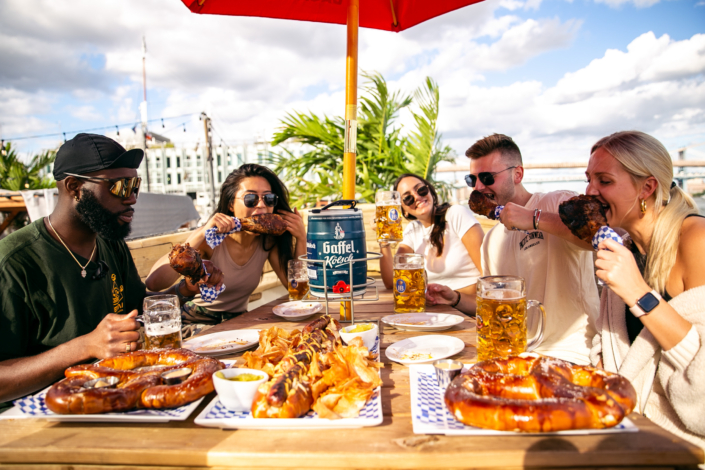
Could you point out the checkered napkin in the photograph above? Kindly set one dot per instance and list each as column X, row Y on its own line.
column 208, row 293
column 213, row 238
column 603, row 234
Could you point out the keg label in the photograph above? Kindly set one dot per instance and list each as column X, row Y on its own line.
column 339, row 233
column 393, row 214
column 401, row 286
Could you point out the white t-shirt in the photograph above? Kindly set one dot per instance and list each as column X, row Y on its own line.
column 558, row 274
column 454, row 268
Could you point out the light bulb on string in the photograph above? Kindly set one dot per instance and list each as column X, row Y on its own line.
column 163, row 126
column 117, row 130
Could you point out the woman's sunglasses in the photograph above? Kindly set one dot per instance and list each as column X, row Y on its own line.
column 409, row 199
column 485, row 177
column 122, row 187
column 251, row 200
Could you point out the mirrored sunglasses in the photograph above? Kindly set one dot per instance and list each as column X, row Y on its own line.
column 121, row 187
column 251, row 200
column 409, row 199
column 485, row 177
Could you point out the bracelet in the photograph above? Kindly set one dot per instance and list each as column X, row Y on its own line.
column 182, row 298
column 455, row 304
column 537, row 217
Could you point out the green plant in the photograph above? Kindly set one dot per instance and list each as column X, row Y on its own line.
column 16, row 175
column 383, row 152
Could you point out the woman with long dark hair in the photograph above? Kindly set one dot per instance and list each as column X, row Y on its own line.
column 251, row 189
column 448, row 236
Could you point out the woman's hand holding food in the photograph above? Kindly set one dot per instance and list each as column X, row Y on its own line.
column 213, row 279
column 294, row 223
column 617, row 268
column 223, row 222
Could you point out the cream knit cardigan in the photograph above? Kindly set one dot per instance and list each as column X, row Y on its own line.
column 670, row 385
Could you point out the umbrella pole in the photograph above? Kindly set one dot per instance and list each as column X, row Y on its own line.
column 350, row 146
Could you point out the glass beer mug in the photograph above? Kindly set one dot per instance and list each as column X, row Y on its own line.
column 409, row 283
column 297, row 273
column 388, row 216
column 502, row 317
column 162, row 322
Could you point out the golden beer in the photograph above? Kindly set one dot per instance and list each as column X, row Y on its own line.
column 168, row 341
column 409, row 290
column 501, row 324
column 388, row 218
column 298, row 289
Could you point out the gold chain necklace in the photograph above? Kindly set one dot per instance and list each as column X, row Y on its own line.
column 83, row 268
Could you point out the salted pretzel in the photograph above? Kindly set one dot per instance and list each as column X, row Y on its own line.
column 534, row 393
column 137, row 387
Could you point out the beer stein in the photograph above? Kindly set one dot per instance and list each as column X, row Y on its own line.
column 388, row 216
column 297, row 273
column 409, row 283
column 162, row 322
column 502, row 317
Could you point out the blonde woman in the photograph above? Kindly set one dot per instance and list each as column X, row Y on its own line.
column 651, row 327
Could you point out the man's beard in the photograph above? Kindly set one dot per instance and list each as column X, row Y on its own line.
column 99, row 219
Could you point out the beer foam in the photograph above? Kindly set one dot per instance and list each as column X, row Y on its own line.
column 164, row 328
column 503, row 294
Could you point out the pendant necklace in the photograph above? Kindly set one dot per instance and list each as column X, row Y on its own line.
column 83, row 268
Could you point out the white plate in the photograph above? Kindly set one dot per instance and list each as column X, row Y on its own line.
column 297, row 310
column 223, row 342
column 215, row 415
column 35, row 407
column 423, row 349
column 429, row 414
column 423, row 321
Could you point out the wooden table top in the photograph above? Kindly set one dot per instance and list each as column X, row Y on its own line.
column 37, row 443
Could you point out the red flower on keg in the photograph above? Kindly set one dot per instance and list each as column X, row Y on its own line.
column 341, row 288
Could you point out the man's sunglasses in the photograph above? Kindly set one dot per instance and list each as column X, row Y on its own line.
column 409, row 199
column 485, row 177
column 121, row 187
column 251, row 200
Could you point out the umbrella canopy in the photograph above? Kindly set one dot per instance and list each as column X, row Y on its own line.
column 387, row 15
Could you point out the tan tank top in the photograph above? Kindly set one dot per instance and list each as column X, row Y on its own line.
column 240, row 281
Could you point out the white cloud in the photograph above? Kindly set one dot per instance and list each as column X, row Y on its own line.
column 637, row 3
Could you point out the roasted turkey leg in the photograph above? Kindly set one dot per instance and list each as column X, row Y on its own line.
column 266, row 224
column 187, row 261
column 481, row 204
column 583, row 215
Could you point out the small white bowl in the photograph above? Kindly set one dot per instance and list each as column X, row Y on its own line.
column 237, row 396
column 368, row 337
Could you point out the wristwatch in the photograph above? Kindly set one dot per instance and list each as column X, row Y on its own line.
column 645, row 304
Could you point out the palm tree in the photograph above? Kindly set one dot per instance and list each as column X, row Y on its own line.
column 16, row 175
column 383, row 153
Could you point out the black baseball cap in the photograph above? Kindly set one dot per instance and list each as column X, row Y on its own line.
column 87, row 153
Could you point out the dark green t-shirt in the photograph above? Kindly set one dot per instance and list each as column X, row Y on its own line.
column 45, row 302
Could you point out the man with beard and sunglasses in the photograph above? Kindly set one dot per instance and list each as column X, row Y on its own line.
column 532, row 243
column 70, row 289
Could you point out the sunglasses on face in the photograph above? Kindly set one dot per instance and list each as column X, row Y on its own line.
column 121, row 187
column 485, row 177
column 251, row 200
column 409, row 199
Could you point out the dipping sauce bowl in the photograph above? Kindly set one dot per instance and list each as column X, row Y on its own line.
column 176, row 376
column 237, row 395
column 102, row 382
column 446, row 371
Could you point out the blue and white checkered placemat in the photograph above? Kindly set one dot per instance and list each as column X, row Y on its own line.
column 429, row 414
column 35, row 407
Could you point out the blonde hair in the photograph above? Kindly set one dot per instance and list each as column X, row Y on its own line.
column 642, row 156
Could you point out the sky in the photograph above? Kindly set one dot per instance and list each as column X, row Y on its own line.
column 556, row 75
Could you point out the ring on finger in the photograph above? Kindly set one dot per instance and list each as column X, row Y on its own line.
column 128, row 347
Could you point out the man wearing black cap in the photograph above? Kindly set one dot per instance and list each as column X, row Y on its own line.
column 70, row 288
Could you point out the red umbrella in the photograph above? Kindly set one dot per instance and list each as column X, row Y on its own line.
column 388, row 15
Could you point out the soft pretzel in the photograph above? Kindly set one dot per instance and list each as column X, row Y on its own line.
column 534, row 393
column 136, row 388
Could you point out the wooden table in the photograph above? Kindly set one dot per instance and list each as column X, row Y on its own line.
column 47, row 445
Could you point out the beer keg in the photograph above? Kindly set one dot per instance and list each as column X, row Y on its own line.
column 336, row 236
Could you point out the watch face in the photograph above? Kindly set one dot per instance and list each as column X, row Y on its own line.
column 648, row 302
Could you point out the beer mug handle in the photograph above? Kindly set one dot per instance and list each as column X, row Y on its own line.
column 534, row 342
